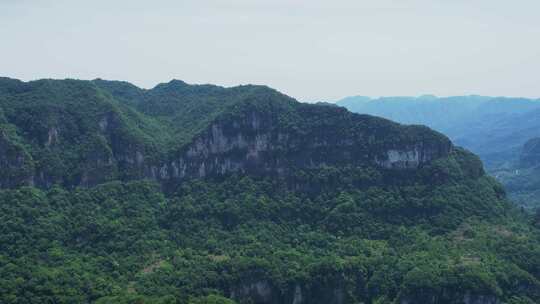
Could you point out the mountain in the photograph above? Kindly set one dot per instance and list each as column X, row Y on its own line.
column 77, row 133
column 495, row 128
column 522, row 181
column 203, row 194
column 530, row 154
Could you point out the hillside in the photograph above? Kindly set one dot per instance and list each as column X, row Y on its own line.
column 77, row 133
column 493, row 128
column 202, row 194
column 523, row 179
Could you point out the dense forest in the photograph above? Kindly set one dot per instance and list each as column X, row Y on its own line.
column 202, row 194
column 522, row 180
column 495, row 128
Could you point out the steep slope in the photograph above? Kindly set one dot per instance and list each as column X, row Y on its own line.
column 530, row 154
column 202, row 194
column 69, row 132
column 522, row 180
column 74, row 133
column 185, row 109
column 493, row 127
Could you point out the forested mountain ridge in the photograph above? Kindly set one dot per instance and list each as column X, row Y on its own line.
column 201, row 194
column 522, row 181
column 530, row 154
column 85, row 133
column 495, row 128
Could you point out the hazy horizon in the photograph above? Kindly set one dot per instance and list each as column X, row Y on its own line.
column 321, row 51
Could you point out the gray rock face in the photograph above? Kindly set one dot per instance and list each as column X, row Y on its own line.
column 468, row 298
column 407, row 158
column 298, row 299
column 52, row 136
column 263, row 292
column 480, row 299
column 253, row 143
column 16, row 167
column 258, row 292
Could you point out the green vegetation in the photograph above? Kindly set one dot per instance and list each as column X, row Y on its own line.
column 500, row 130
column 127, row 243
column 345, row 231
column 523, row 186
column 83, row 133
column 495, row 128
column 522, row 180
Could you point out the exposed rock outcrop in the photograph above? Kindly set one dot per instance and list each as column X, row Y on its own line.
column 254, row 144
column 263, row 292
column 408, row 158
column 16, row 166
column 467, row 298
column 258, row 145
column 257, row 292
column 80, row 136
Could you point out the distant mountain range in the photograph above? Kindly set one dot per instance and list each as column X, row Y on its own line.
column 495, row 128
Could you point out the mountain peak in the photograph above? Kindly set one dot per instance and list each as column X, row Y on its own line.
column 177, row 82
column 173, row 84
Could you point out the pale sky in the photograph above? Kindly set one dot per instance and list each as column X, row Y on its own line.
column 311, row 50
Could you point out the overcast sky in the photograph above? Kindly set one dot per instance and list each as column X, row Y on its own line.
column 311, row 50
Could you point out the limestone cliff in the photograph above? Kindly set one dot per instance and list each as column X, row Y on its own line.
column 258, row 144
column 16, row 166
column 78, row 134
